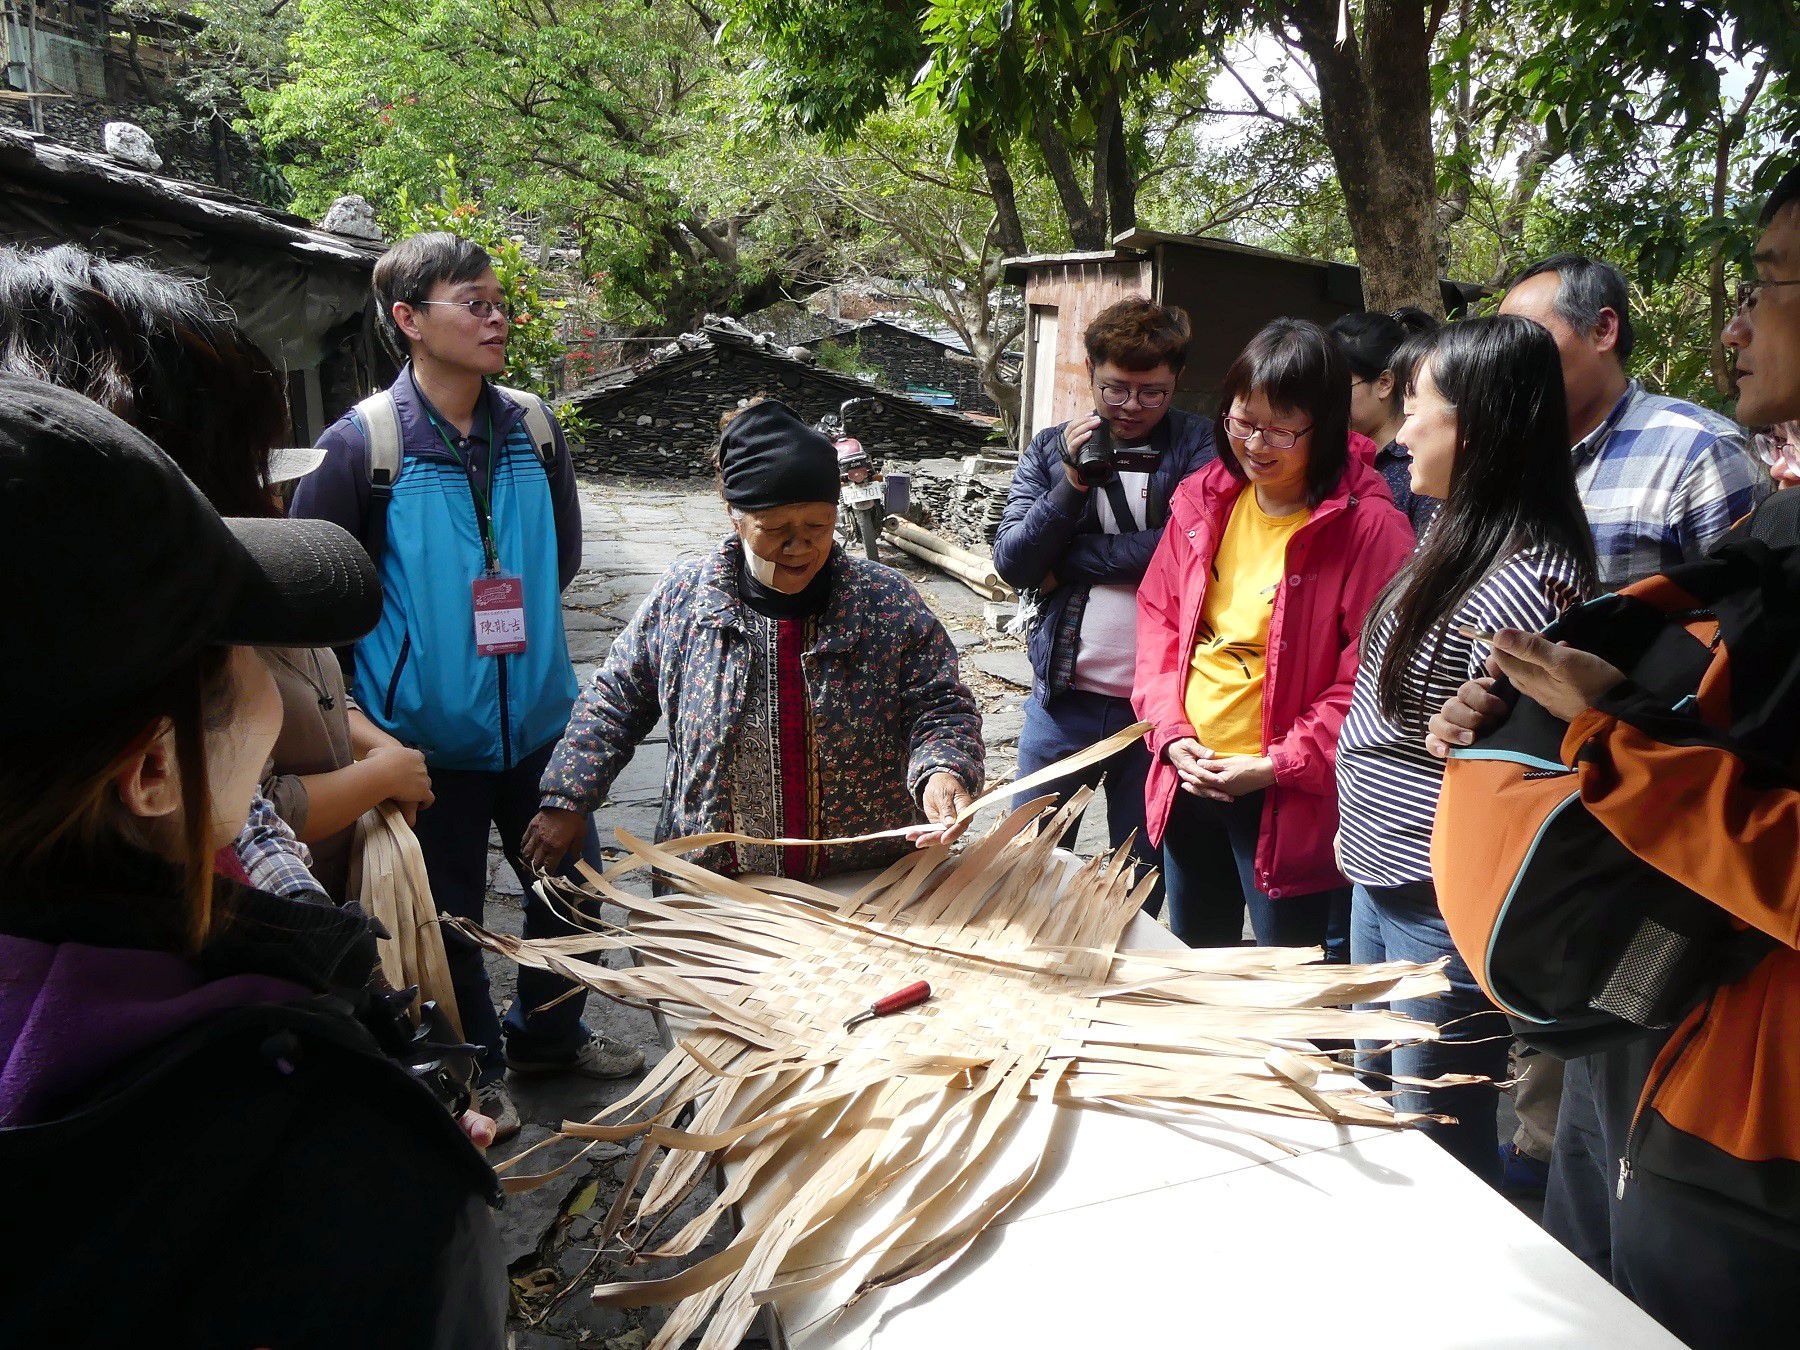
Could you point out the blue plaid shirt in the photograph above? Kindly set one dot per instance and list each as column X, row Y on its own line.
column 273, row 858
column 1661, row 480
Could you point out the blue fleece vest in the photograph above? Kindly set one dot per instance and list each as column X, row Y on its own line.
column 418, row 675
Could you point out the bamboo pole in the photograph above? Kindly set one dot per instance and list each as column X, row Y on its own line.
column 982, row 581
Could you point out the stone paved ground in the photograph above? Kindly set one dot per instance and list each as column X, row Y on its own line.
column 634, row 530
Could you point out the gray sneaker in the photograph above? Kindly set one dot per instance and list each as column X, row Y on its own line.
column 601, row 1057
column 494, row 1101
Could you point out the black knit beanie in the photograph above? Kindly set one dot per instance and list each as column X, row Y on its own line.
column 768, row 457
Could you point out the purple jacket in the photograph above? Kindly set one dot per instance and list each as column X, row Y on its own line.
column 71, row 1014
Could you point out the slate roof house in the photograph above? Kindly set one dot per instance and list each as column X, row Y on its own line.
column 661, row 415
column 302, row 293
column 928, row 361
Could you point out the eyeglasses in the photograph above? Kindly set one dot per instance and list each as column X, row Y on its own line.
column 1748, row 292
column 1276, row 438
column 1118, row 395
column 482, row 310
column 1776, row 443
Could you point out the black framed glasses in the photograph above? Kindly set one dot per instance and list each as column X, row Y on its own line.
column 1118, row 395
column 1276, row 438
column 1750, row 289
column 482, row 310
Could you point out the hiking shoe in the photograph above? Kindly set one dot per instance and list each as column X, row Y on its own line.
column 1520, row 1173
column 494, row 1101
column 601, row 1057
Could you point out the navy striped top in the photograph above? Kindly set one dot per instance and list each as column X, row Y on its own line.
column 1388, row 783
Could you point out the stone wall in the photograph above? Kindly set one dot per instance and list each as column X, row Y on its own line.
column 961, row 499
column 905, row 359
column 666, row 422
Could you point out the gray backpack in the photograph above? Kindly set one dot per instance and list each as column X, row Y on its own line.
column 381, row 428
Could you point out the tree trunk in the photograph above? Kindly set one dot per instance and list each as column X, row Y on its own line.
column 1377, row 121
column 1087, row 220
column 1011, row 227
column 1121, row 179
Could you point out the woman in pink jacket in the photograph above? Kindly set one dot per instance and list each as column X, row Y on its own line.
column 1248, row 621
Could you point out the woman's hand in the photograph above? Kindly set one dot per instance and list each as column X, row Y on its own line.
column 404, row 779
column 552, row 833
column 1565, row 680
column 1472, row 712
column 1187, row 756
column 1228, row 777
column 944, row 800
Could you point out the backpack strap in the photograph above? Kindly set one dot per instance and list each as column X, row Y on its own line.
column 381, row 430
column 537, row 423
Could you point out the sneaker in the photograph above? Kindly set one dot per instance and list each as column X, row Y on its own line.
column 495, row 1102
column 1520, row 1173
column 601, row 1057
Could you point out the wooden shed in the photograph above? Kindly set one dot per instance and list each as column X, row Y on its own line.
column 1229, row 290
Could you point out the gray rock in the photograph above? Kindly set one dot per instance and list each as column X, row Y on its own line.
column 353, row 216
column 1013, row 667
column 130, row 144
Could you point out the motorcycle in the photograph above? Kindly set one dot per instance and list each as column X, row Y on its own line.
column 863, row 508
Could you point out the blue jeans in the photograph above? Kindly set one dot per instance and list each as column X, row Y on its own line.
column 1209, row 867
column 453, row 836
column 1074, row 721
column 1403, row 923
column 1593, row 1125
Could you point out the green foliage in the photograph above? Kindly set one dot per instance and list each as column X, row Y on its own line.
column 599, row 118
column 846, row 359
column 533, row 345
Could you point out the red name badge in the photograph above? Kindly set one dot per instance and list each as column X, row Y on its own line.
column 499, row 616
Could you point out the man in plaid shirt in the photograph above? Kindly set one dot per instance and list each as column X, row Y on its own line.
column 1661, row 479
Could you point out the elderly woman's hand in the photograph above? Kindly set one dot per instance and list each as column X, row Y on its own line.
column 945, row 799
column 551, row 834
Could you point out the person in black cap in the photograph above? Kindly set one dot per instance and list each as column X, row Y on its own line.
column 809, row 694
column 222, row 1040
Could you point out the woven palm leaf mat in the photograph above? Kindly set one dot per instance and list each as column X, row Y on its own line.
column 1035, row 1007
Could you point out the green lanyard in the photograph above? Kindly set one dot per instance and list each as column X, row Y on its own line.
column 483, row 500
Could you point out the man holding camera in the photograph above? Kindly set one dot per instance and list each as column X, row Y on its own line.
column 1085, row 512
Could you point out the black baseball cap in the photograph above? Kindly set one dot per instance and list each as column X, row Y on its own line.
column 119, row 569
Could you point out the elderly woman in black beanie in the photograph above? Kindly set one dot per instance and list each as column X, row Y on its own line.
column 809, row 694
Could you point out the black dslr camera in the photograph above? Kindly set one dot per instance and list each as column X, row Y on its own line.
column 1095, row 463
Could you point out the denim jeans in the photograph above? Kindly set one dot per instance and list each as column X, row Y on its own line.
column 1593, row 1124
column 453, row 836
column 1209, row 868
column 1073, row 721
column 1403, row 923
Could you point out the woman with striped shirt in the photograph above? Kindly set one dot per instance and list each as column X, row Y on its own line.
column 1486, row 425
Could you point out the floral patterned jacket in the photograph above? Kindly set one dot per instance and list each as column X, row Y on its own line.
column 889, row 708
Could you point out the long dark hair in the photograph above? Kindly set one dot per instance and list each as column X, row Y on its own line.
column 157, row 352
column 1512, row 488
column 61, row 824
column 1295, row 364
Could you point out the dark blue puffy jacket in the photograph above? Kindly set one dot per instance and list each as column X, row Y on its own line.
column 1050, row 526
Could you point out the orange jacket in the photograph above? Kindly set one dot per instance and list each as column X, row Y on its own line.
column 1721, row 1108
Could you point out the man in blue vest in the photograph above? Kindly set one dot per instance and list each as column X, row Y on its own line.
column 464, row 494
